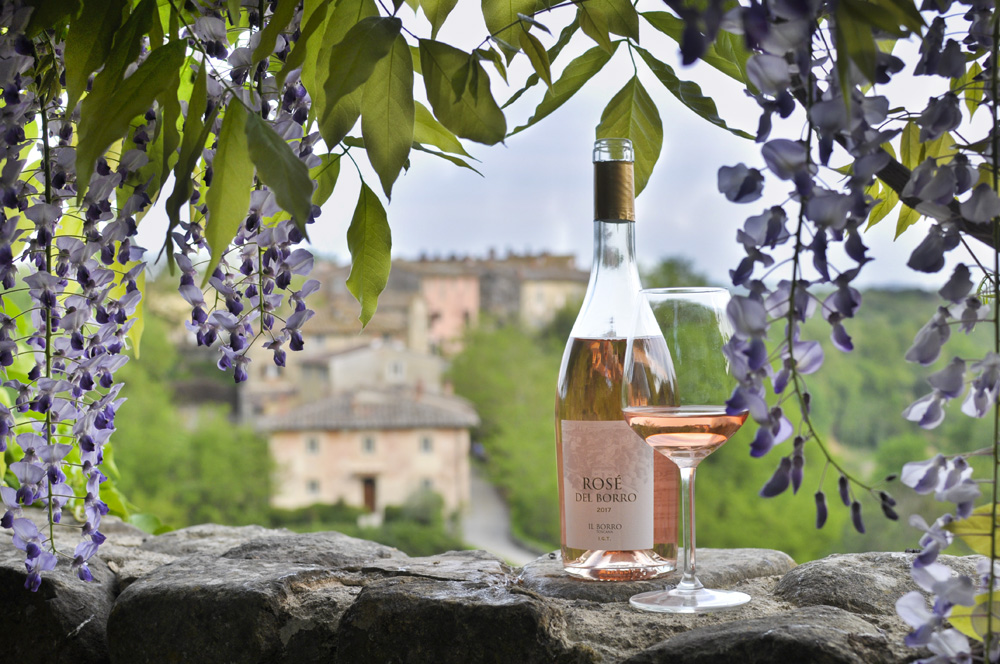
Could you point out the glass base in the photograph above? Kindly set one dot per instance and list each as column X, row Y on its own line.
column 702, row 600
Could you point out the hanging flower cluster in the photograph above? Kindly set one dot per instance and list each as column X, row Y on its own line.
column 803, row 256
column 250, row 283
column 70, row 290
column 70, row 266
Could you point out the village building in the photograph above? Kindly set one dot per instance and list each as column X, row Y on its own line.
column 372, row 448
column 366, row 416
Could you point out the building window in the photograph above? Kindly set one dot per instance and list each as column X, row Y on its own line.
column 312, row 445
column 394, row 370
column 272, row 370
column 426, row 444
column 368, row 445
column 312, row 487
column 427, row 484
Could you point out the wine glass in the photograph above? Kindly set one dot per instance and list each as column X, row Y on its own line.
column 675, row 385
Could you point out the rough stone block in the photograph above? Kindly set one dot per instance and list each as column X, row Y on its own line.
column 716, row 568
column 423, row 620
column 865, row 583
column 818, row 635
column 64, row 622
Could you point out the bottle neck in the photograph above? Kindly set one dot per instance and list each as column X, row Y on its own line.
column 614, row 281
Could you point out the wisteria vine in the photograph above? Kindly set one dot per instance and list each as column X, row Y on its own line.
column 71, row 269
column 808, row 54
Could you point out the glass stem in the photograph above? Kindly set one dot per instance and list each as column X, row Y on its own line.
column 688, row 582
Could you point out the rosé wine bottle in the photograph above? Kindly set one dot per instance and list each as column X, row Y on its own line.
column 618, row 499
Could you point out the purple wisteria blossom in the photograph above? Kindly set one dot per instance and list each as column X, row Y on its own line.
column 79, row 266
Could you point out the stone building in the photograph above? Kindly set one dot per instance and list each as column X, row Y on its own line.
column 529, row 288
column 372, row 448
column 365, row 416
column 316, row 373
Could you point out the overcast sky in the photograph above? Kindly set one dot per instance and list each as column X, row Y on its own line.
column 537, row 191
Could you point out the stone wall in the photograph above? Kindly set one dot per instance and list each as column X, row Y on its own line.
column 245, row 595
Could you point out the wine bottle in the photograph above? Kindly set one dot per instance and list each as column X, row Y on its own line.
column 618, row 499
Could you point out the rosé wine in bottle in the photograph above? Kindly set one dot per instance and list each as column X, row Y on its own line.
column 618, row 500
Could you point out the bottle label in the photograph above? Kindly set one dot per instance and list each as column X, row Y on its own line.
column 608, row 486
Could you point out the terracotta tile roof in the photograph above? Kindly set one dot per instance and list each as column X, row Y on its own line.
column 371, row 410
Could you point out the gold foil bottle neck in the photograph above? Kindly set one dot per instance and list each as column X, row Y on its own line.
column 614, row 191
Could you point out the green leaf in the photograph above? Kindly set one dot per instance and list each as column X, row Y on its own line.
column 415, row 56
column 973, row 620
column 126, row 46
column 577, row 72
column 731, row 49
column 313, row 24
column 345, row 15
column 902, row 13
column 889, row 201
column 106, row 113
column 475, row 115
column 882, row 17
column 537, row 55
column 88, row 43
column 156, row 34
column 171, row 114
column 428, row 131
column 148, row 523
column 595, row 26
column 970, row 88
column 532, row 80
column 280, row 169
column 228, row 198
column 854, row 40
column 343, row 116
column 619, row 16
column 460, row 79
column 728, row 54
column 689, row 93
column 352, row 62
column 436, row 12
column 907, row 217
column 47, row 14
column 501, row 19
column 325, row 176
column 494, row 57
column 458, row 161
column 279, row 20
column 533, row 22
column 909, row 146
column 975, row 530
column 940, row 147
column 387, row 114
column 113, row 498
column 233, row 8
column 370, row 243
column 632, row 114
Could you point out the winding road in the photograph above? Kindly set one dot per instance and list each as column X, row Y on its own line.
column 486, row 524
